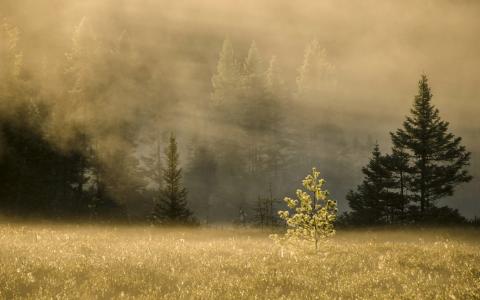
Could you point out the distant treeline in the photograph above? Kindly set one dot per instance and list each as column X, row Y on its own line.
column 80, row 150
column 83, row 136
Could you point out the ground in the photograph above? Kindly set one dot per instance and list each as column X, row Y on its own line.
column 105, row 261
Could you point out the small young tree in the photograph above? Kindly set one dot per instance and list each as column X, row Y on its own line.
column 313, row 211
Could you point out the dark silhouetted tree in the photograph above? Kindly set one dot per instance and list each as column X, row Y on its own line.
column 172, row 205
column 398, row 164
column 438, row 161
column 372, row 202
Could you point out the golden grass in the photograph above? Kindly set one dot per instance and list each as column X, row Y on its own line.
column 85, row 262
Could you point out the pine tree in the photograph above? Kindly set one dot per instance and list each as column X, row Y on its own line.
column 438, row 161
column 273, row 82
column 372, row 201
column 78, row 77
column 398, row 164
column 253, row 105
column 313, row 212
column 253, row 67
column 225, row 81
column 315, row 73
column 172, row 205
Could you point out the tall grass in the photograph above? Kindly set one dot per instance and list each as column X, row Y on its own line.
column 89, row 262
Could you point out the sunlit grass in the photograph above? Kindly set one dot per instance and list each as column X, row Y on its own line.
column 67, row 261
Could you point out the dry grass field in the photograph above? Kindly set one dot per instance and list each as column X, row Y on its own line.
column 103, row 262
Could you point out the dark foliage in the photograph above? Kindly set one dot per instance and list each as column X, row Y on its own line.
column 39, row 180
column 426, row 164
column 172, row 205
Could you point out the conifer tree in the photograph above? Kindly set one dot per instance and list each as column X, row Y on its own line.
column 398, row 164
column 438, row 161
column 313, row 213
column 172, row 205
column 253, row 67
column 315, row 73
column 273, row 82
column 372, row 201
column 225, row 81
column 253, row 106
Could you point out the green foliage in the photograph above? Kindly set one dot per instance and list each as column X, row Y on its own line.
column 314, row 213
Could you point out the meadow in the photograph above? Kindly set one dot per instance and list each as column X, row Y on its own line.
column 40, row 261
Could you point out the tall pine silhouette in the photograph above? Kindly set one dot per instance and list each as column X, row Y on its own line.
column 172, row 205
column 437, row 159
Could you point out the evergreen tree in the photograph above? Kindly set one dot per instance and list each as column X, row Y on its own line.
column 398, row 164
column 253, row 68
column 273, row 82
column 172, row 205
column 315, row 73
column 225, row 81
column 313, row 212
column 372, row 201
column 438, row 161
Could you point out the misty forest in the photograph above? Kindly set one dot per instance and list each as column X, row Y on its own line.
column 161, row 139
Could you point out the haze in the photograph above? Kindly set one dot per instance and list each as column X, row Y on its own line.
column 378, row 50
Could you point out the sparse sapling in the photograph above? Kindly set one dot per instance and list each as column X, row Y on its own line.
column 311, row 216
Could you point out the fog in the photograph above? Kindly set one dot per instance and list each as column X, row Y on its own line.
column 163, row 55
